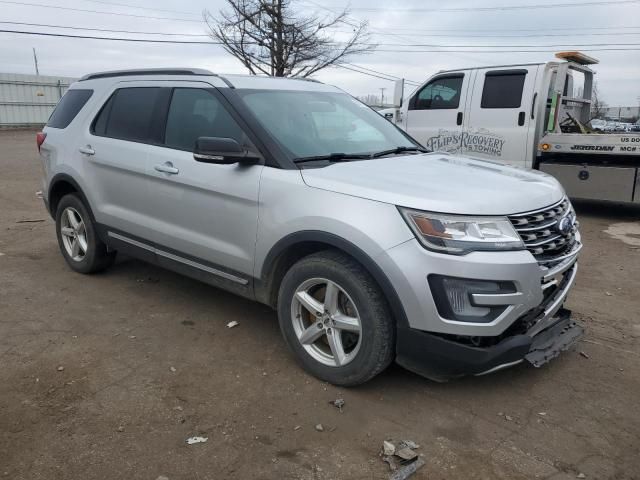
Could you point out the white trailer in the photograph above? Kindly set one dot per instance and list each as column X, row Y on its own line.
column 532, row 115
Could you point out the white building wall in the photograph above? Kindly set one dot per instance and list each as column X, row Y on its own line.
column 27, row 100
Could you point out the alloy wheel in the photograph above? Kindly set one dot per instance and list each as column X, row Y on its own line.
column 326, row 322
column 74, row 234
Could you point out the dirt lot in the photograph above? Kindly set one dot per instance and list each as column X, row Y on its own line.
column 147, row 361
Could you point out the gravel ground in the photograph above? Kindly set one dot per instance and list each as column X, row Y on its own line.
column 106, row 376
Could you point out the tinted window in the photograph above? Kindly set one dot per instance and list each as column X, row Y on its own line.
column 129, row 114
column 441, row 93
column 197, row 113
column 68, row 107
column 503, row 89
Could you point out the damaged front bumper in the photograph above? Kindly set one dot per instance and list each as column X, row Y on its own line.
column 442, row 358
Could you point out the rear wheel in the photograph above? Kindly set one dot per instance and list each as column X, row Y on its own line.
column 77, row 237
column 335, row 319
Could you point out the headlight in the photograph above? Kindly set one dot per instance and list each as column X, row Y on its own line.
column 459, row 234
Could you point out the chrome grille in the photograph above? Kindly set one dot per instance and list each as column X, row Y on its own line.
column 540, row 233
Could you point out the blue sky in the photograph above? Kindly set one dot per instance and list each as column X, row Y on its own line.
column 393, row 24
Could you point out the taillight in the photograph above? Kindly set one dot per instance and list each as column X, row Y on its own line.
column 40, row 136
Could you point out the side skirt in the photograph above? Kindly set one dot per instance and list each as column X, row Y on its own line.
column 178, row 262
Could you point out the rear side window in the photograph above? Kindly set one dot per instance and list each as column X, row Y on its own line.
column 70, row 104
column 130, row 114
column 503, row 89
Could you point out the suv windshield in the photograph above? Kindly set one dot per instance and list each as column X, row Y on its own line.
column 318, row 124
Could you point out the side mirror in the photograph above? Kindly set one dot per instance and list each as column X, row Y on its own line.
column 222, row 151
column 398, row 93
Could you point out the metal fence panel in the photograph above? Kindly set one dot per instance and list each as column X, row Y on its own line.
column 28, row 100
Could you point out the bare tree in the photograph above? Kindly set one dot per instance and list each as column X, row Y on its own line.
column 267, row 37
column 598, row 106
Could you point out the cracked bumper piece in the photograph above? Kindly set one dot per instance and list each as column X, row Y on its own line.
column 442, row 358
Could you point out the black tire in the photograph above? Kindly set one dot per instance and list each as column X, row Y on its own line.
column 376, row 349
column 96, row 257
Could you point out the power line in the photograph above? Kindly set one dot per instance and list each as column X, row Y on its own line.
column 551, row 45
column 541, row 28
column 464, row 35
column 501, row 7
column 182, row 42
column 167, row 41
column 117, row 39
column 107, row 30
column 510, row 51
column 382, row 73
column 11, row 2
column 143, row 8
column 365, row 73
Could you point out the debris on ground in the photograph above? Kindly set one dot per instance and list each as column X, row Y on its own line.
column 173, row 369
column 60, row 368
column 192, row 440
column 38, row 220
column 402, row 458
column 296, row 428
column 319, row 427
column 388, row 448
column 508, row 418
column 232, row 324
column 406, row 471
column 584, row 354
column 147, row 279
column 132, row 337
column 162, row 477
column 581, row 475
column 338, row 403
column 121, row 428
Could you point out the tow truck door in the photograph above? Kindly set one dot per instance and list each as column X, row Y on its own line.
column 501, row 121
column 436, row 111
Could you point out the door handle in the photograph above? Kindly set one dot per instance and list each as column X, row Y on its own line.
column 533, row 105
column 166, row 167
column 521, row 116
column 87, row 150
column 459, row 119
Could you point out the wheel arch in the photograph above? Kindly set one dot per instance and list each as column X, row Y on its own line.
column 295, row 246
column 62, row 184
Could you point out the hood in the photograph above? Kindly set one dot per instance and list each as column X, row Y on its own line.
column 439, row 182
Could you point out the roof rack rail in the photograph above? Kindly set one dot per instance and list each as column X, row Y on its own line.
column 148, row 71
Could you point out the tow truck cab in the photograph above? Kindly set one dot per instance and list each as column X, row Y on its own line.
column 529, row 115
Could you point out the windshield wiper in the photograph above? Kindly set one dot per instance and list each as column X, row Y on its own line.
column 333, row 157
column 398, row 150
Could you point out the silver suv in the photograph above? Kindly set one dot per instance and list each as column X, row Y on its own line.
column 295, row 194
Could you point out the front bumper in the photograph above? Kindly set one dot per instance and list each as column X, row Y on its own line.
column 442, row 358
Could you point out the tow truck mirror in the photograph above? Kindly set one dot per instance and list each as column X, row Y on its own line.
column 398, row 93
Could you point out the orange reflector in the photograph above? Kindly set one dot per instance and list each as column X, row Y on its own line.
column 545, row 146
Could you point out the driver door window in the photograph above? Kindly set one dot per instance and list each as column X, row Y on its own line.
column 194, row 113
column 441, row 93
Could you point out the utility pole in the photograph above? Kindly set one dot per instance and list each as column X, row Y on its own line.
column 382, row 96
column 35, row 61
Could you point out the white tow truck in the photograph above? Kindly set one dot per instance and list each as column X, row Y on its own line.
column 533, row 115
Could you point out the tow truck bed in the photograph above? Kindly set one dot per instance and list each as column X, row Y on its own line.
column 593, row 165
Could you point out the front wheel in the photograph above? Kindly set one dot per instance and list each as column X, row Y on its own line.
column 335, row 319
